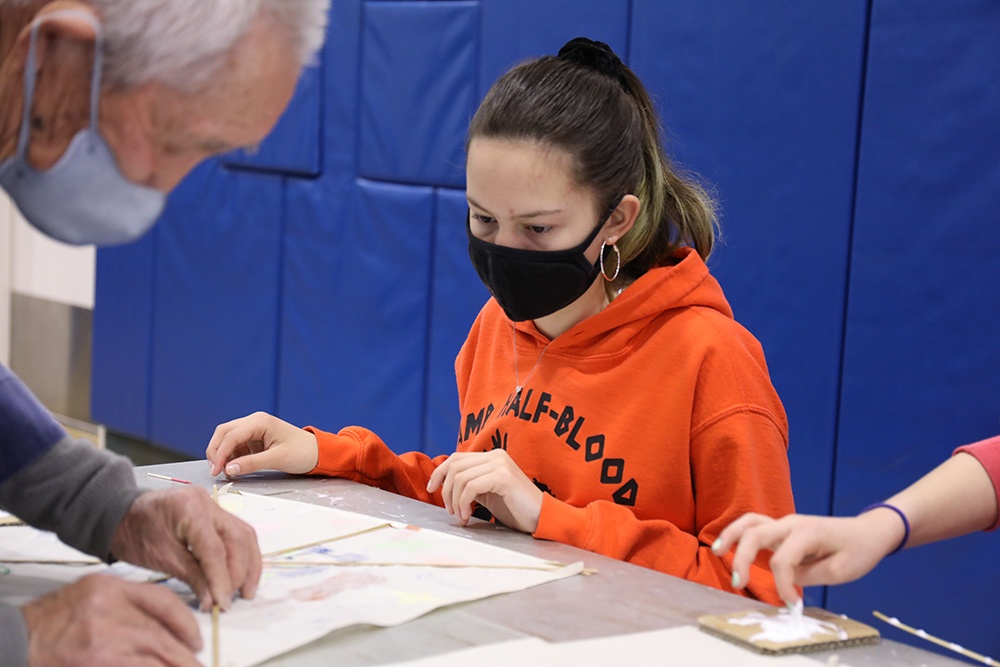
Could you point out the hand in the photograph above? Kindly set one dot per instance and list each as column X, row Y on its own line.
column 103, row 620
column 261, row 442
column 184, row 533
column 493, row 480
column 811, row 550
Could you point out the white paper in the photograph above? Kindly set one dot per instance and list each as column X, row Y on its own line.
column 284, row 524
column 324, row 569
column 20, row 543
column 384, row 577
column 678, row 647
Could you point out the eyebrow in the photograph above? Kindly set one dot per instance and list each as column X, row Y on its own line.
column 519, row 216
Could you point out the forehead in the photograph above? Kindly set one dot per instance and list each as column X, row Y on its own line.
column 506, row 168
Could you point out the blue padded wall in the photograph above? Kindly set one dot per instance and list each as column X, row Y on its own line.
column 418, row 90
column 761, row 99
column 515, row 30
column 215, row 305
column 354, row 346
column 123, row 312
column 923, row 330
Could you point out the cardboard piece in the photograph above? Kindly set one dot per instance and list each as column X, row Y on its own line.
column 844, row 633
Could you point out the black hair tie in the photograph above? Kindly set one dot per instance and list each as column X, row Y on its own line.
column 596, row 55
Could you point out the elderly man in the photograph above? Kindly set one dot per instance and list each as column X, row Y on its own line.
column 106, row 105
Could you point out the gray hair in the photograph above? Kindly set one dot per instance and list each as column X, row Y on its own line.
column 182, row 43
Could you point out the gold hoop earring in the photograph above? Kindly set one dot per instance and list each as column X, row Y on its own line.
column 618, row 266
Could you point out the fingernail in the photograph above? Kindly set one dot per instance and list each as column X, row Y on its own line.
column 233, row 469
column 736, row 580
column 716, row 545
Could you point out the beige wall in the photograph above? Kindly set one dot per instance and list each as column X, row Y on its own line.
column 34, row 265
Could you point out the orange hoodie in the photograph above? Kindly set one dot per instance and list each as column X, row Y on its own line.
column 650, row 426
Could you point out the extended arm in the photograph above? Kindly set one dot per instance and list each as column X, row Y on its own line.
column 956, row 498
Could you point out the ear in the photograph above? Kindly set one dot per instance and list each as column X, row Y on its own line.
column 622, row 219
column 66, row 35
column 62, row 21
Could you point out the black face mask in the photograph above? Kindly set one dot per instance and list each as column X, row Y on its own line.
column 529, row 284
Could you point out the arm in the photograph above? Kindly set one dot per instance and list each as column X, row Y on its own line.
column 263, row 442
column 359, row 455
column 76, row 491
column 738, row 463
column 89, row 498
column 53, row 482
column 956, row 498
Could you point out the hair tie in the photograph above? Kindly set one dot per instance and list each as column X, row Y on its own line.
column 906, row 524
column 595, row 55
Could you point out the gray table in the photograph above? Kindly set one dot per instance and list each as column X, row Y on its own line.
column 620, row 599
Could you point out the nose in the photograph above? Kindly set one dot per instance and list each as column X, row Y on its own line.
column 508, row 236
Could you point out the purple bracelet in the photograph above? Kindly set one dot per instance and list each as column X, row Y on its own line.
column 906, row 524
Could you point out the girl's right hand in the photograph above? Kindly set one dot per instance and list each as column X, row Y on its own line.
column 261, row 442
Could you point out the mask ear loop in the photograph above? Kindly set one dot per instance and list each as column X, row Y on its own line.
column 31, row 75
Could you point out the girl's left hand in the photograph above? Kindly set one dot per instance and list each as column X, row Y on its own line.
column 493, row 480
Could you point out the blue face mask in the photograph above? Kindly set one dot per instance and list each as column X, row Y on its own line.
column 83, row 198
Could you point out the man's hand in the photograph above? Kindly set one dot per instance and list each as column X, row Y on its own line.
column 184, row 533
column 102, row 620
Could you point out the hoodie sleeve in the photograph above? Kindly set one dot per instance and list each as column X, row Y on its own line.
column 75, row 490
column 739, row 465
column 359, row 455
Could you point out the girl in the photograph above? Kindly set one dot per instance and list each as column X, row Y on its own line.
column 608, row 398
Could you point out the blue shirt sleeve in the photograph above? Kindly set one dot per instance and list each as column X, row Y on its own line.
column 27, row 430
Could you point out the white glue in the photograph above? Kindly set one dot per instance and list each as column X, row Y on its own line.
column 788, row 626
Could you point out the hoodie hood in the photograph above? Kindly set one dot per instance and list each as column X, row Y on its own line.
column 687, row 284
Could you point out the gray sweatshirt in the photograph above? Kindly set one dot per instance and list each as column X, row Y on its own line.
column 78, row 492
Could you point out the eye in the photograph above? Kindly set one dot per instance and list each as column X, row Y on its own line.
column 539, row 229
column 483, row 219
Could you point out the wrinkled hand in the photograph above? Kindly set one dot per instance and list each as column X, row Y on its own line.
column 493, row 480
column 261, row 442
column 811, row 550
column 103, row 620
column 184, row 533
